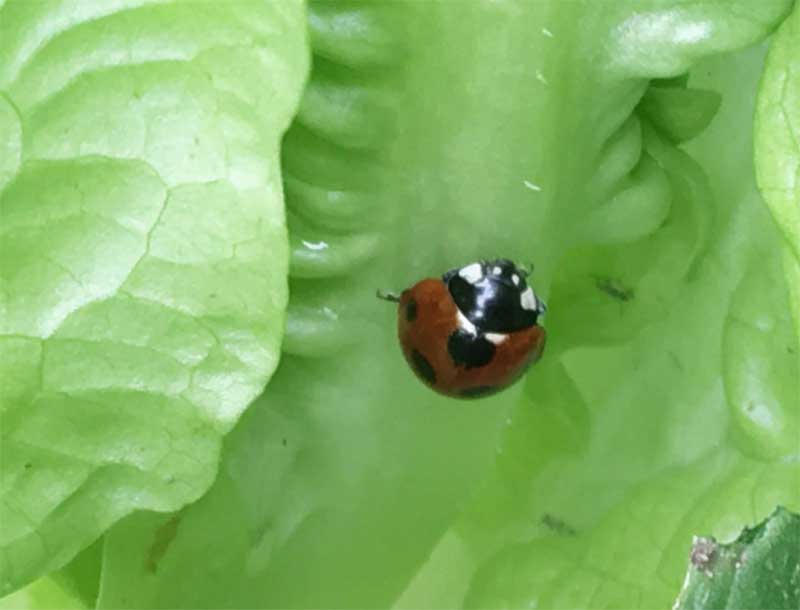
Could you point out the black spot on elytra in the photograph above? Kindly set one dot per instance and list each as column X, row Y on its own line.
column 411, row 311
column 423, row 367
column 471, row 351
column 479, row 391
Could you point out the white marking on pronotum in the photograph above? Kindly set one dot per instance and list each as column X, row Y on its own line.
column 465, row 324
column 472, row 273
column 496, row 338
column 531, row 185
column 528, row 300
column 547, row 32
column 515, row 279
column 497, row 271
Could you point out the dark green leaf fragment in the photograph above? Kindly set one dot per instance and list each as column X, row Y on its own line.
column 760, row 569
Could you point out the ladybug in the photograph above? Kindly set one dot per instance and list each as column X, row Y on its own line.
column 473, row 332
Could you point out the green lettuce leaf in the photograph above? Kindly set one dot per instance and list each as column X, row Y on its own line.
column 144, row 254
column 693, row 425
column 432, row 134
column 760, row 569
column 777, row 147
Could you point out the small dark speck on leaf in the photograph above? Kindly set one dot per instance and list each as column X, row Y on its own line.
column 161, row 540
column 559, row 526
column 28, row 465
column 790, row 349
column 283, row 442
column 613, row 288
column 703, row 554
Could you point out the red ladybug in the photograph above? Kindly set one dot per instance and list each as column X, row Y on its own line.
column 473, row 332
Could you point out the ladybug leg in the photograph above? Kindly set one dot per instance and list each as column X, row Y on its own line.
column 388, row 296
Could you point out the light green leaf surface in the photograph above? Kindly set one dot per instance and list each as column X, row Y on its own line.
column 144, row 254
column 42, row 594
column 760, row 569
column 420, row 145
column 777, row 142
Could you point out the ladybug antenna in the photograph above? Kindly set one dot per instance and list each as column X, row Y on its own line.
column 526, row 269
column 387, row 296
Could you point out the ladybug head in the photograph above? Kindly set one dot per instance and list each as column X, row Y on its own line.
column 494, row 295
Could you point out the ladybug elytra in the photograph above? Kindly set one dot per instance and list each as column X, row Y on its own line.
column 473, row 332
